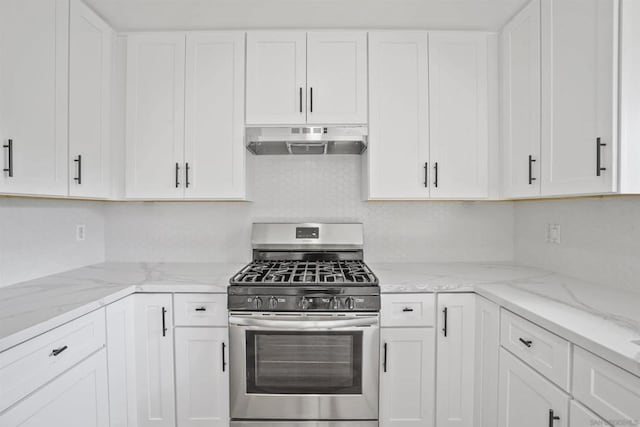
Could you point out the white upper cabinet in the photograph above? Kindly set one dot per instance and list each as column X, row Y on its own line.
column 459, row 114
column 398, row 152
column 34, row 41
column 337, row 77
column 520, row 43
column 89, row 102
column 214, row 108
column 298, row 78
column 579, row 96
column 276, row 77
column 455, row 360
column 155, row 116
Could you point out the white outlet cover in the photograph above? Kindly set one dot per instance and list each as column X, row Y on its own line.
column 554, row 234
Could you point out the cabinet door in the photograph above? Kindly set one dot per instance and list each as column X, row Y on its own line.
column 487, row 325
column 89, row 102
column 202, row 377
column 155, row 116
column 337, row 77
column 455, row 361
column 34, row 37
column 214, row 145
column 121, row 360
column 154, row 360
column 407, row 377
column 579, row 96
column 520, row 41
column 276, row 77
column 77, row 398
column 398, row 152
column 459, row 115
column 526, row 398
column 582, row 417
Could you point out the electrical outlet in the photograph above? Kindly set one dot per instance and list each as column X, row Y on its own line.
column 552, row 234
column 80, row 232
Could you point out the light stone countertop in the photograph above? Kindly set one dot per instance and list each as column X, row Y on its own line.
column 30, row 308
column 601, row 319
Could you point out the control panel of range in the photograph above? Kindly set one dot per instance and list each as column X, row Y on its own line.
column 304, row 303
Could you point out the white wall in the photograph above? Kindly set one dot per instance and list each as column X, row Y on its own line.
column 599, row 238
column 38, row 237
column 320, row 188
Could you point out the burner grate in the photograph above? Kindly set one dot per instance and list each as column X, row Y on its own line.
column 341, row 272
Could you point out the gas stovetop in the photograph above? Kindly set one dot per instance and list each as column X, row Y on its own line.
column 305, row 267
column 306, row 273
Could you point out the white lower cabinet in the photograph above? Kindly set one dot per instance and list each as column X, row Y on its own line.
column 455, row 360
column 582, row 417
column 407, row 377
column 527, row 399
column 153, row 346
column 77, row 398
column 487, row 362
column 202, row 377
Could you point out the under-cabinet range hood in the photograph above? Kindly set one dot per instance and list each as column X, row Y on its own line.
column 307, row 140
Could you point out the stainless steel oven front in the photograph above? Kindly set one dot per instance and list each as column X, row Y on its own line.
column 304, row 366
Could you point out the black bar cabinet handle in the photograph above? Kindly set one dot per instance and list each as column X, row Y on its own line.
column 531, row 162
column 311, row 100
column 201, row 309
column 407, row 310
column 426, row 175
column 177, row 175
column 300, row 99
column 186, row 174
column 435, row 174
column 9, row 147
column 164, row 322
column 55, row 352
column 384, row 360
column 552, row 417
column 599, row 145
column 78, row 178
column 445, row 313
column 528, row 343
column 224, row 361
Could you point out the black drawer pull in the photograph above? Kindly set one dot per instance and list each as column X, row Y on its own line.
column 164, row 322
column 599, row 145
column 78, row 178
column 407, row 310
column 384, row 360
column 9, row 147
column 57, row 351
column 224, row 361
column 445, row 315
column 528, row 343
column 531, row 162
column 201, row 309
column 426, row 175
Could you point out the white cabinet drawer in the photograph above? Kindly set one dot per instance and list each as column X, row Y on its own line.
column 611, row 392
column 407, row 310
column 30, row 365
column 545, row 352
column 200, row 309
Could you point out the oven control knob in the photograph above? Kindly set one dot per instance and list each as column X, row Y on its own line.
column 305, row 303
column 258, row 302
column 273, row 303
column 334, row 304
column 350, row 303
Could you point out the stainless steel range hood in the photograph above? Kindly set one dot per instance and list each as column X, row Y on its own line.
column 307, row 140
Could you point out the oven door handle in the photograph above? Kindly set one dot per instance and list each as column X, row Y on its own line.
column 303, row 324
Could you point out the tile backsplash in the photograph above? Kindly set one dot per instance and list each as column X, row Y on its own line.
column 314, row 188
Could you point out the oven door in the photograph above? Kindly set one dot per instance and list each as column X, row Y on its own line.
column 304, row 367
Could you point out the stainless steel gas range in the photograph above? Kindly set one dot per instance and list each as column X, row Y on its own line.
column 304, row 329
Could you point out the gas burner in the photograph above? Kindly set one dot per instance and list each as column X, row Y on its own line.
column 285, row 272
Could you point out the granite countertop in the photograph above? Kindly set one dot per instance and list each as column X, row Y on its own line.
column 601, row 319
column 31, row 308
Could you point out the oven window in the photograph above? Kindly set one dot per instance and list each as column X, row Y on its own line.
column 304, row 362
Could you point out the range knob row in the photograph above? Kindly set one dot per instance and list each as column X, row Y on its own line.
column 273, row 303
